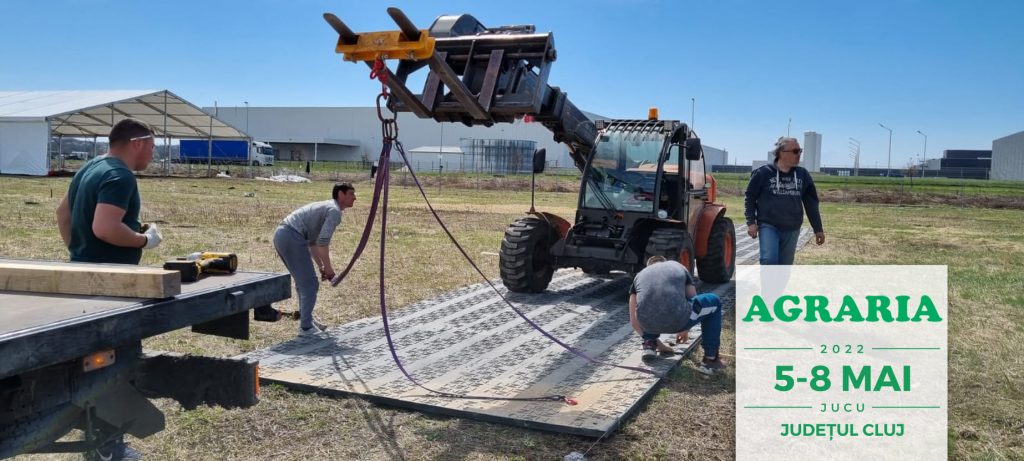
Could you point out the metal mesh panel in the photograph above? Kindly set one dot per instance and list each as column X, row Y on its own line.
column 498, row 156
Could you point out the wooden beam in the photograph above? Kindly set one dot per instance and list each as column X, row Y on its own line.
column 89, row 279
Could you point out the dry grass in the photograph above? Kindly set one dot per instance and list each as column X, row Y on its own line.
column 690, row 417
column 984, row 251
column 209, row 214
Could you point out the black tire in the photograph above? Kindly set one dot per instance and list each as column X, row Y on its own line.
column 718, row 265
column 525, row 260
column 673, row 244
column 38, row 430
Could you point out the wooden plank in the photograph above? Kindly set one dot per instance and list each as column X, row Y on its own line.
column 90, row 279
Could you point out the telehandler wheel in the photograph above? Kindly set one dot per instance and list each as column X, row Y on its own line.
column 720, row 262
column 525, row 261
column 673, row 244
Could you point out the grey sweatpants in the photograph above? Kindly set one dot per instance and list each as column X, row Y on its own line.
column 294, row 251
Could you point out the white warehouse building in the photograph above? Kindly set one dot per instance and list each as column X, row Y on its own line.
column 1008, row 157
column 715, row 156
column 354, row 134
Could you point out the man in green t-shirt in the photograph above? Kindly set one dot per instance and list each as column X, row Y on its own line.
column 99, row 217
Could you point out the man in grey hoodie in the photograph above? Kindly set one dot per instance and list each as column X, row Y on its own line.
column 774, row 204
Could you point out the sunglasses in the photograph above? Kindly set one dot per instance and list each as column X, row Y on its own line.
column 797, row 151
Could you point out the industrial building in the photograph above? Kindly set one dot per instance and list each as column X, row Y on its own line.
column 1004, row 161
column 1008, row 157
column 353, row 134
column 714, row 156
column 965, row 163
column 34, row 124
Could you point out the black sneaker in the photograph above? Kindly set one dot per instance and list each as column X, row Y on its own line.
column 709, row 367
column 650, row 350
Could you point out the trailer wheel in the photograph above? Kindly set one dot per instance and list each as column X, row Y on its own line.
column 673, row 244
column 720, row 262
column 525, row 260
column 38, row 430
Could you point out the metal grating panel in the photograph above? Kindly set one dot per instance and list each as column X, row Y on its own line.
column 468, row 341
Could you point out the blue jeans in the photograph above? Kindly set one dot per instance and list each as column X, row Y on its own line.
column 294, row 252
column 707, row 310
column 778, row 247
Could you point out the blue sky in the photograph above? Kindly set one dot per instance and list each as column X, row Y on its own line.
column 953, row 70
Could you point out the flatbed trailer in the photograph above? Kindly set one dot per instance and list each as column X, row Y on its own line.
column 72, row 361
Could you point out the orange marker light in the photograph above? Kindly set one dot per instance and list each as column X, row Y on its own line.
column 652, row 113
column 98, row 360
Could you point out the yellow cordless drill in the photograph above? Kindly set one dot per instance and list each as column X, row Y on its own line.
column 196, row 265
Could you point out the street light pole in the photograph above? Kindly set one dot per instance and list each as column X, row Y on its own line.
column 855, row 151
column 248, row 146
column 790, row 122
column 924, row 153
column 888, row 165
column 693, row 110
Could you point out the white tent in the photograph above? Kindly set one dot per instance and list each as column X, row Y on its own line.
column 429, row 158
column 28, row 119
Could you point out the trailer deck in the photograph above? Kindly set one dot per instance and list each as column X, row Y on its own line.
column 40, row 329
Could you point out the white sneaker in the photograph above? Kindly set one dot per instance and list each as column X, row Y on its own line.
column 314, row 331
column 321, row 325
column 650, row 350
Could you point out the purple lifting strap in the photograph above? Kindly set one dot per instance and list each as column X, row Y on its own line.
column 381, row 191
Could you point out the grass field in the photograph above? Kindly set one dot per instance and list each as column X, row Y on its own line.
column 689, row 417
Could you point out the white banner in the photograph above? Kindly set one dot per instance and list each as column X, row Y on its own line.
column 841, row 362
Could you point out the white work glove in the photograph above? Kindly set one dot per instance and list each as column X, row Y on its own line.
column 153, row 237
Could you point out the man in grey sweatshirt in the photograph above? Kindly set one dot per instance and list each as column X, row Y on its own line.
column 304, row 238
column 774, row 204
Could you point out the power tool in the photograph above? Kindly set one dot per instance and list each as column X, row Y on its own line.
column 270, row 314
column 198, row 264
